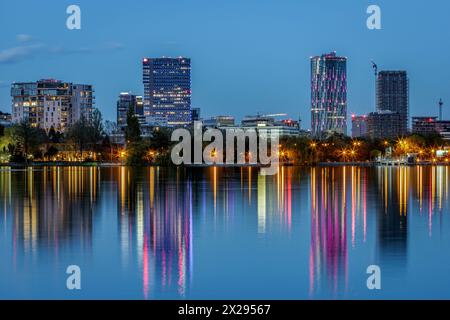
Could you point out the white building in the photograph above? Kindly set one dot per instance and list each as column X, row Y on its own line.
column 54, row 116
column 51, row 103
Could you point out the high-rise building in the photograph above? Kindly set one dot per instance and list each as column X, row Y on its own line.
column 167, row 89
column 328, row 95
column 393, row 95
column 359, row 126
column 51, row 103
column 124, row 103
column 384, row 125
column 82, row 102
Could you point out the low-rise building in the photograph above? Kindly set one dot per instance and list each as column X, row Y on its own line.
column 5, row 119
column 284, row 128
column 219, row 121
column 429, row 125
column 359, row 126
column 384, row 125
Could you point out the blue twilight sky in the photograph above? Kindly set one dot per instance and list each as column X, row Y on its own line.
column 247, row 55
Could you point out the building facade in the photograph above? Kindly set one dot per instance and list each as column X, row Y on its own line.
column 359, row 126
column 126, row 101
column 284, row 128
column 431, row 125
column 393, row 95
column 51, row 103
column 219, row 121
column 167, row 89
column 424, row 125
column 196, row 114
column 384, row 125
column 82, row 102
column 328, row 95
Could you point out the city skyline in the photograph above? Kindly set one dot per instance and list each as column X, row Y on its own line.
column 86, row 57
column 224, row 158
column 345, row 126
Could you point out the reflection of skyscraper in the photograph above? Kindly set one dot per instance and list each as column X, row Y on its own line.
column 328, row 250
column 392, row 213
column 328, row 94
column 161, row 223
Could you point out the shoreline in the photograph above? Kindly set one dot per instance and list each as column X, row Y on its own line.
column 203, row 166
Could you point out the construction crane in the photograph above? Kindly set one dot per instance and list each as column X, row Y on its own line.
column 375, row 68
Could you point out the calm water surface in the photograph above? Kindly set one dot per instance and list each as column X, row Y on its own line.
column 158, row 233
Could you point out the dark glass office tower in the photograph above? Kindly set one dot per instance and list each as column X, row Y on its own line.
column 167, row 89
column 328, row 95
column 125, row 101
column 393, row 96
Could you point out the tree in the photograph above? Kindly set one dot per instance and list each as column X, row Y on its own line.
column 80, row 134
column 133, row 129
column 54, row 136
column 5, row 142
column 86, row 133
column 375, row 154
column 97, row 130
column 136, row 153
column 27, row 137
column 51, row 152
column 160, row 140
column 110, row 127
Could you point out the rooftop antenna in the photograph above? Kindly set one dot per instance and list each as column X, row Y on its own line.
column 441, row 104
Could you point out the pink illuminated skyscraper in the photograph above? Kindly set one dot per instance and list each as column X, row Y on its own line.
column 328, row 95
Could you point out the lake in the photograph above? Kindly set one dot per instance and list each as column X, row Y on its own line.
column 225, row 233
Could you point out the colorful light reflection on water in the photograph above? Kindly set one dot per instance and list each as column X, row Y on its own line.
column 158, row 233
